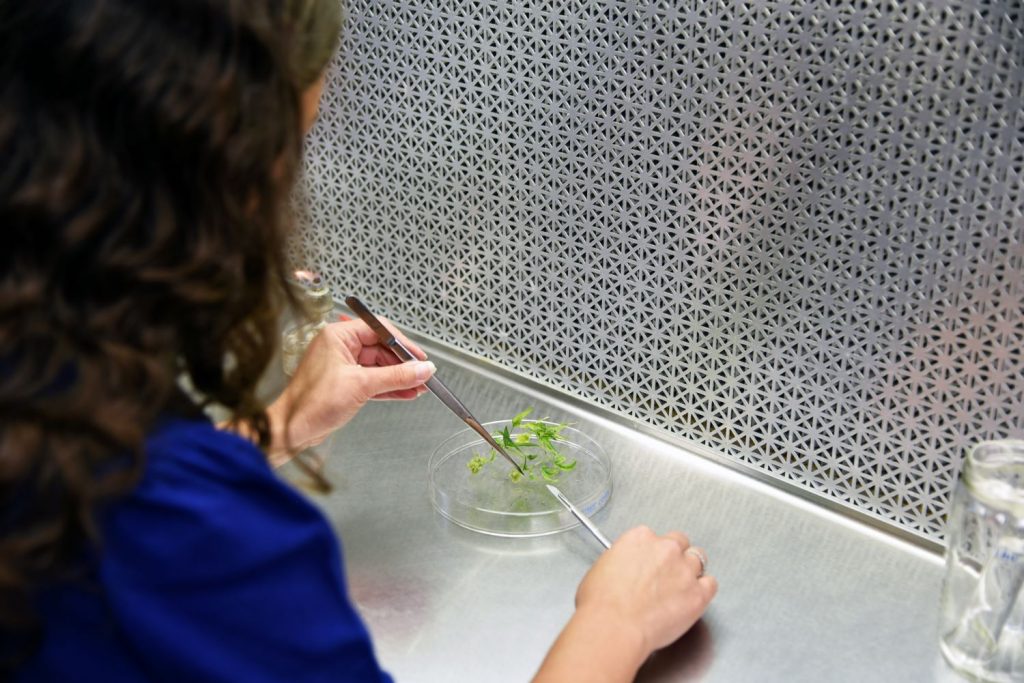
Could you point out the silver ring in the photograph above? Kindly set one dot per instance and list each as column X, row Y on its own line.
column 701, row 556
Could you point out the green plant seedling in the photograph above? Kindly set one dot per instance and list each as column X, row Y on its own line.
column 535, row 443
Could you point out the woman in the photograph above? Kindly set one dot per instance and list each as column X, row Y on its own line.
column 147, row 152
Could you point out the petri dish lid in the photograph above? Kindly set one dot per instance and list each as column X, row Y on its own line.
column 489, row 502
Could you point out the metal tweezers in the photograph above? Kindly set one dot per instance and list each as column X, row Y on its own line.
column 436, row 386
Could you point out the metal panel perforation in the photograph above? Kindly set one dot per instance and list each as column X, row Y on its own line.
column 790, row 231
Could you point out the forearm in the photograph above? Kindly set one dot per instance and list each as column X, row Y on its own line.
column 593, row 647
column 280, row 450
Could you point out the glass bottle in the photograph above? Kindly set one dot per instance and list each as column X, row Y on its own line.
column 982, row 620
column 315, row 297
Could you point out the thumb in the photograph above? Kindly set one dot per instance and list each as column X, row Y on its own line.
column 381, row 380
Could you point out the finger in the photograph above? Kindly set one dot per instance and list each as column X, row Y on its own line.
column 383, row 380
column 638, row 534
column 709, row 586
column 363, row 334
column 399, row 395
column 406, row 342
column 697, row 559
column 368, row 337
column 344, row 318
column 682, row 539
column 369, row 356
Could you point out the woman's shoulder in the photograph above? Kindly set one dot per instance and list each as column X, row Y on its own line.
column 204, row 485
column 214, row 556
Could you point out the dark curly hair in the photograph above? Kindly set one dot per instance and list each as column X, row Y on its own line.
column 146, row 153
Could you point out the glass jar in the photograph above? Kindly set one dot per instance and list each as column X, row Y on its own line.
column 982, row 620
column 316, row 312
column 315, row 297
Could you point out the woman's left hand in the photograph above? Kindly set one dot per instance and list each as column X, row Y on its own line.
column 344, row 367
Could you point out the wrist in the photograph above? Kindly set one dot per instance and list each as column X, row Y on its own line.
column 596, row 645
column 622, row 636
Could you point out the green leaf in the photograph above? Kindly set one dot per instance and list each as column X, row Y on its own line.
column 519, row 418
column 546, row 461
column 546, row 445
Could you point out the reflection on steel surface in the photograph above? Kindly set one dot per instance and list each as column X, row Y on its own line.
column 792, row 232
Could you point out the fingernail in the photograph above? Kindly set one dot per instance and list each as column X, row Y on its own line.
column 424, row 370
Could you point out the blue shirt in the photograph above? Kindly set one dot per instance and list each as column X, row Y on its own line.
column 212, row 569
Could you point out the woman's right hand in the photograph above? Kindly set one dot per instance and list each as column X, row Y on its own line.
column 650, row 583
column 640, row 595
column 344, row 367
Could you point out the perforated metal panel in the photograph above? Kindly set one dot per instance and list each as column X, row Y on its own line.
column 793, row 232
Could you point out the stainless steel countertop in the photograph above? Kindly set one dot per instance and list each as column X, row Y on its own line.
column 805, row 594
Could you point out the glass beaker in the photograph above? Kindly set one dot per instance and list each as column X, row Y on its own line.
column 982, row 620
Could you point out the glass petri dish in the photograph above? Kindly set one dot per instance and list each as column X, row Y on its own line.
column 489, row 502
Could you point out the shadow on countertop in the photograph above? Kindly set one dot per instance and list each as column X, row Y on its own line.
column 687, row 659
